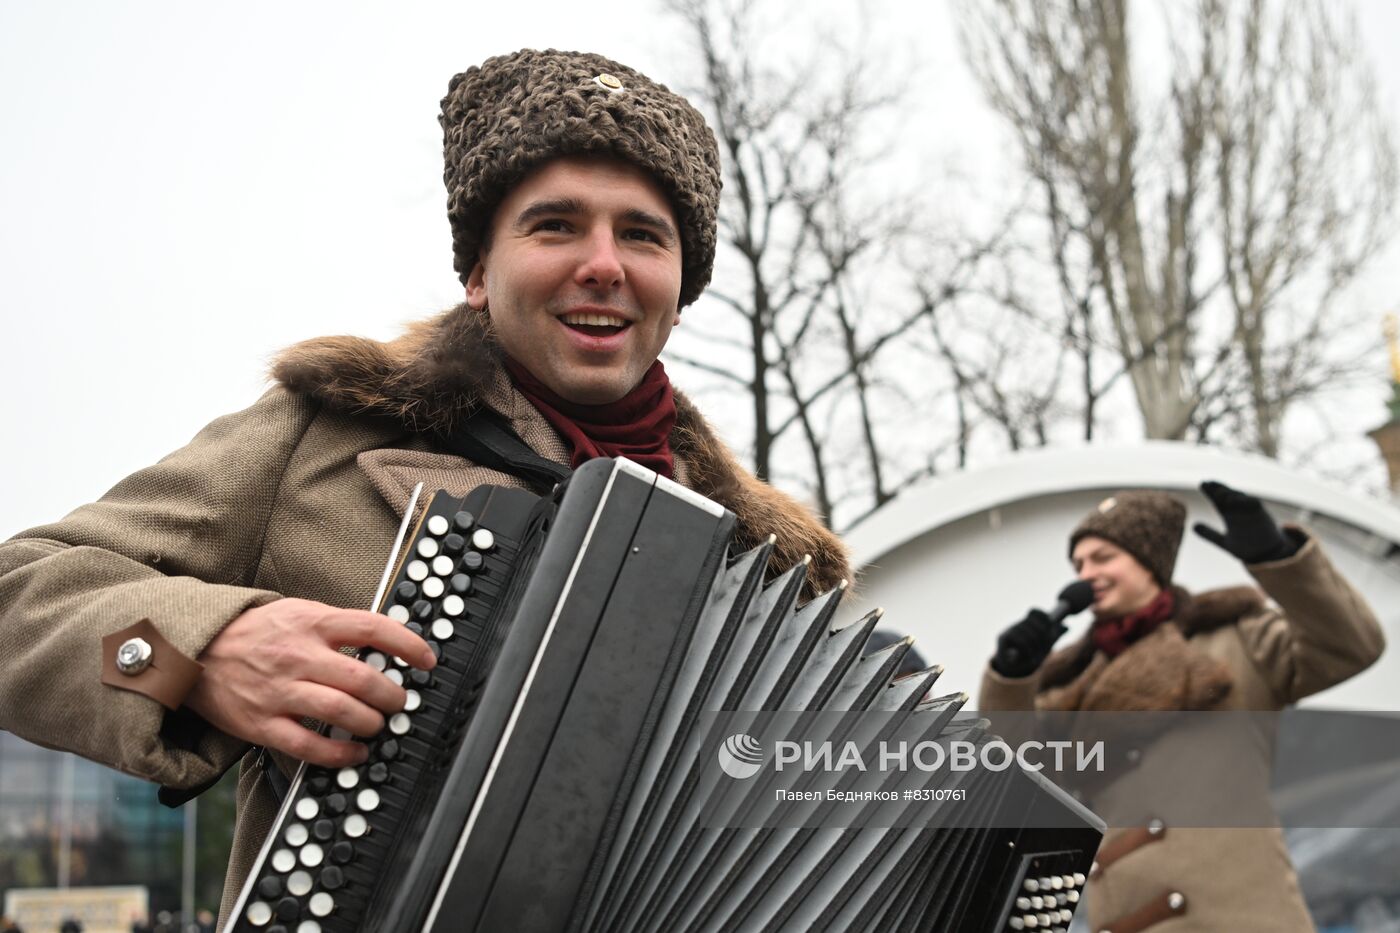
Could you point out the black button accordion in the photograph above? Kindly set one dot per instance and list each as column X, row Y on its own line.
column 554, row 771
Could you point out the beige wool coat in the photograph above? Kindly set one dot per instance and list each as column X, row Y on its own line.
column 1229, row 649
column 299, row 495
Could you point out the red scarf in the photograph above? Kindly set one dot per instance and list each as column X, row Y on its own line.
column 1113, row 636
column 636, row 426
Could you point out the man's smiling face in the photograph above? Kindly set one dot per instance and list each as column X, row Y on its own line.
column 582, row 276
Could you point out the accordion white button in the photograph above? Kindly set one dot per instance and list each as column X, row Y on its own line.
column 453, row 605
column 414, row 700
column 299, row 883
column 259, row 913
column 284, row 860
column 312, row 855
column 395, row 677
column 347, row 777
column 442, row 565
column 307, row 808
column 398, row 612
column 367, row 799
column 355, row 826
column 322, row 904
column 437, row 525
column 296, row 835
column 376, row 660
column 399, row 723
column 443, row 629
column 308, row 926
column 134, row 656
column 433, row 587
column 416, row 570
column 427, row 548
column 483, row 540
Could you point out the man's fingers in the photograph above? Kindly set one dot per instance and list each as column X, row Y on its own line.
column 359, row 629
column 335, row 707
column 357, row 679
column 294, row 739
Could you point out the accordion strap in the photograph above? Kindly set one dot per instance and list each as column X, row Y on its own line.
column 486, row 438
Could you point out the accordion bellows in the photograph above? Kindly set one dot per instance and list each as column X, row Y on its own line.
column 558, row 770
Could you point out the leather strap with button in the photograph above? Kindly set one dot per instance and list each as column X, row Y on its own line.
column 1163, row 907
column 139, row 659
column 1126, row 843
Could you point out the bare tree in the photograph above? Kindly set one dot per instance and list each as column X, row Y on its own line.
column 810, row 249
column 1200, row 238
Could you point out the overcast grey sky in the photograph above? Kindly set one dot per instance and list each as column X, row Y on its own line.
column 186, row 187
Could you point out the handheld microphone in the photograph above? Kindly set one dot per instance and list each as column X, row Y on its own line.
column 1073, row 599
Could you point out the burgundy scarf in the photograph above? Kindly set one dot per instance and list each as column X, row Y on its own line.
column 1113, row 636
column 636, row 426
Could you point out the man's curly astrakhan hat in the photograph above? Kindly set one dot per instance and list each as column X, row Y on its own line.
column 513, row 112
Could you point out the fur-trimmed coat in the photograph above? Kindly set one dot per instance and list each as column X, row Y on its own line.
column 1227, row 649
column 299, row 495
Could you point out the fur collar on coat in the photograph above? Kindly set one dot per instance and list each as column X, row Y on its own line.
column 1159, row 672
column 438, row 371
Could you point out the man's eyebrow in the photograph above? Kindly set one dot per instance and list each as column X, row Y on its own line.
column 552, row 207
column 648, row 219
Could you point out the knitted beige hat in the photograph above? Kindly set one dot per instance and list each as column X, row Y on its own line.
column 514, row 112
column 1148, row 525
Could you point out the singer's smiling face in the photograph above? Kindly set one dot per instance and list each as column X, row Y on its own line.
column 1121, row 585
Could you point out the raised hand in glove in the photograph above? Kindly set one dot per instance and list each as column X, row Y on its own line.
column 1250, row 534
column 1024, row 646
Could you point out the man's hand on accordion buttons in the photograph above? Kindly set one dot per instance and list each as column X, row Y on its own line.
column 1023, row 647
column 277, row 664
column 1250, row 533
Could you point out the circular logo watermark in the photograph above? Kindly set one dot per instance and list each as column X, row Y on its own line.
column 740, row 756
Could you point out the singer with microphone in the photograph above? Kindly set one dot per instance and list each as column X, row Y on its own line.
column 1155, row 647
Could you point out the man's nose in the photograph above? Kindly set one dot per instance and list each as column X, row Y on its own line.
column 1086, row 572
column 601, row 266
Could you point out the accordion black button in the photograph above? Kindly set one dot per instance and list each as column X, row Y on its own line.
column 270, row 887
column 336, row 803
column 461, row 584
column 422, row 609
column 332, row 877
column 462, row 522
column 436, row 649
column 318, row 784
column 342, row 852
column 389, row 749
column 415, row 628
column 323, row 830
column 378, row 772
column 473, row 560
column 277, row 928
column 406, row 592
column 453, row 544
column 419, row 678
column 288, row 909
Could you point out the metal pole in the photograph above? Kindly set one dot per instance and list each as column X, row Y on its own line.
column 187, row 881
column 65, row 821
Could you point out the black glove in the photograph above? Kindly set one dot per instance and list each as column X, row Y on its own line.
column 1024, row 646
column 1250, row 534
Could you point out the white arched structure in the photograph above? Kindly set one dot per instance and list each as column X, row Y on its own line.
column 956, row 560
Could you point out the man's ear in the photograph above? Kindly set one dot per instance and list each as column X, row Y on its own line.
column 476, row 287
